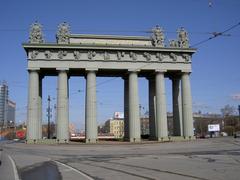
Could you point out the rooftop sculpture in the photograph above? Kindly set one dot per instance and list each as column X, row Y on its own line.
column 63, row 33
column 158, row 37
column 183, row 41
column 36, row 35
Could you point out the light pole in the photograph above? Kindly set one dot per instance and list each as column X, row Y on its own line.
column 1, row 132
column 49, row 115
column 239, row 115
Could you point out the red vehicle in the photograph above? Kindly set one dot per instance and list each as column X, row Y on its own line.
column 20, row 134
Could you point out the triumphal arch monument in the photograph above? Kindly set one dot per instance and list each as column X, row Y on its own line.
column 128, row 57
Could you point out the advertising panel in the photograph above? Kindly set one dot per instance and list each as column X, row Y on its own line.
column 213, row 127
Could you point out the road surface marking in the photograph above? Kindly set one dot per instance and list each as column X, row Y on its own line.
column 14, row 168
column 74, row 169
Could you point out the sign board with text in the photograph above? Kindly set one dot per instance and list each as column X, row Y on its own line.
column 213, row 127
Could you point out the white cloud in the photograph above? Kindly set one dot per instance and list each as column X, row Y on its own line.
column 236, row 96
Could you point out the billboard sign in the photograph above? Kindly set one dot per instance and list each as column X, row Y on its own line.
column 213, row 127
column 118, row 115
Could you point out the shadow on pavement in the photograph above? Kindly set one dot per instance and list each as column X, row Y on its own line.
column 44, row 171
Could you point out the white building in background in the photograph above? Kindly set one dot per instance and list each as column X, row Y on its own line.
column 115, row 127
column 3, row 103
column 11, row 109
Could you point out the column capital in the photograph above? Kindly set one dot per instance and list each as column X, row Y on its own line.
column 160, row 71
column 33, row 69
column 133, row 70
column 184, row 71
column 62, row 69
column 91, row 69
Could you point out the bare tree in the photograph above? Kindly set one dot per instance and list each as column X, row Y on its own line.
column 228, row 110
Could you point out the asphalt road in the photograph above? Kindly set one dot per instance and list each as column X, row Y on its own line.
column 205, row 159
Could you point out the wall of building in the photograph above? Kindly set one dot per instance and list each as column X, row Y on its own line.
column 115, row 127
column 3, row 104
column 7, row 107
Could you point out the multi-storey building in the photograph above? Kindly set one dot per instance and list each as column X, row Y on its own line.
column 115, row 127
column 7, row 107
column 3, row 104
column 11, row 108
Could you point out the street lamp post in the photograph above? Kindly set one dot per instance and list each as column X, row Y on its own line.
column 239, row 115
column 49, row 116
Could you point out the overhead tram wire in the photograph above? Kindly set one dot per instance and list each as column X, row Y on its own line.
column 216, row 34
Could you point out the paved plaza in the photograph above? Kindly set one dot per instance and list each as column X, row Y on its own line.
column 204, row 159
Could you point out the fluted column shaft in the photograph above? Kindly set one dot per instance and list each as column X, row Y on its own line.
column 62, row 107
column 187, row 106
column 91, row 108
column 152, row 119
column 126, row 108
column 177, row 107
column 40, row 108
column 33, row 106
column 134, row 119
column 161, row 109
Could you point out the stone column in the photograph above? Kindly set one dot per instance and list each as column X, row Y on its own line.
column 62, row 107
column 187, row 106
column 151, row 96
column 33, row 106
column 126, row 107
column 161, row 109
column 91, row 108
column 134, row 119
column 40, row 107
column 177, row 107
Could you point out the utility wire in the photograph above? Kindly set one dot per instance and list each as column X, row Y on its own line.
column 216, row 34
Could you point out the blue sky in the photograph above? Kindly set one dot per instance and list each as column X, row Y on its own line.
column 215, row 78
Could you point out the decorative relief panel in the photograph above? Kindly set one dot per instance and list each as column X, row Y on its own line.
column 133, row 55
column 48, row 54
column 91, row 54
column 76, row 55
column 120, row 55
column 61, row 54
column 147, row 56
column 186, row 57
column 160, row 56
column 173, row 56
column 34, row 54
column 106, row 56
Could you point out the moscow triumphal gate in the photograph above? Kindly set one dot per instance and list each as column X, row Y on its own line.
column 128, row 57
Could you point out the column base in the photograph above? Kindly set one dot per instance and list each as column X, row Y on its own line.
column 189, row 137
column 31, row 141
column 62, row 141
column 91, row 140
column 135, row 140
column 163, row 139
column 46, row 141
column 176, row 138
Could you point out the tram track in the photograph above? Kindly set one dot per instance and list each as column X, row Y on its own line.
column 140, row 168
